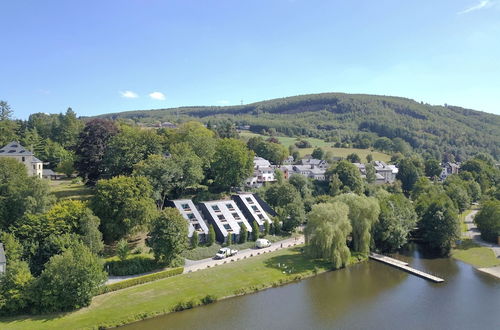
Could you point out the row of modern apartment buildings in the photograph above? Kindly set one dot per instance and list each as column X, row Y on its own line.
column 226, row 216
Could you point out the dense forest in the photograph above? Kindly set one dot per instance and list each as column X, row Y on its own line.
column 448, row 132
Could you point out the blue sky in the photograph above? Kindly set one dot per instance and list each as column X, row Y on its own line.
column 116, row 55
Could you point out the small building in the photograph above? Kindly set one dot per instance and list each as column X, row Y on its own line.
column 323, row 164
column 263, row 172
column 252, row 209
column 226, row 218
column 389, row 172
column 309, row 171
column 448, row 169
column 189, row 211
column 17, row 151
column 289, row 160
column 3, row 260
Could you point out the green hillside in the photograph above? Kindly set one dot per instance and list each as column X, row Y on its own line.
column 350, row 118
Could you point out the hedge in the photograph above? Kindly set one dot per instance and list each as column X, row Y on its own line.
column 132, row 266
column 140, row 280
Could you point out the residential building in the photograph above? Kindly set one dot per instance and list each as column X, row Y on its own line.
column 189, row 211
column 252, row 209
column 309, row 171
column 289, row 160
column 3, row 260
column 389, row 172
column 263, row 172
column 448, row 169
column 226, row 218
column 323, row 164
column 17, row 151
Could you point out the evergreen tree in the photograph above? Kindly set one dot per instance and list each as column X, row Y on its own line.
column 255, row 231
column 211, row 235
column 243, row 233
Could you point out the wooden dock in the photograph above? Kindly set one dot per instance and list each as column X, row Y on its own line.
column 404, row 266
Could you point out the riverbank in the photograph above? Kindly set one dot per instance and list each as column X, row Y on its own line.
column 474, row 251
column 167, row 295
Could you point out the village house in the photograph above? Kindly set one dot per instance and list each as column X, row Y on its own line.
column 262, row 172
column 448, row 169
column 18, row 152
column 309, row 171
column 189, row 211
column 384, row 173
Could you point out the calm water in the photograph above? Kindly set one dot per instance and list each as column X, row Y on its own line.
column 366, row 296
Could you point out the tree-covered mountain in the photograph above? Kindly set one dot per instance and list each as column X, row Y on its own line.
column 352, row 118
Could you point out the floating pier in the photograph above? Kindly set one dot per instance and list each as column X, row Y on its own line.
column 404, row 266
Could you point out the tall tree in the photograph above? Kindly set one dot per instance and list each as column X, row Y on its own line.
column 168, row 236
column 363, row 214
column 124, row 205
column 5, row 111
column 127, row 148
column 408, row 174
column 396, row 220
column 488, row 221
column 91, row 146
column 326, row 233
column 69, row 280
column 14, row 288
column 232, row 164
column 349, row 176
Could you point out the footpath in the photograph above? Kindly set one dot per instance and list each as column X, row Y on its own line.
column 474, row 234
column 195, row 265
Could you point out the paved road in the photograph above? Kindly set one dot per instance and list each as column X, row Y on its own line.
column 474, row 234
column 194, row 265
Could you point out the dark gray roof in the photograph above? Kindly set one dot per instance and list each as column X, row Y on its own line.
column 36, row 160
column 48, row 171
column 2, row 254
column 15, row 149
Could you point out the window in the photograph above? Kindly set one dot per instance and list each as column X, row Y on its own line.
column 227, row 227
column 34, row 167
column 249, row 200
column 197, row 226
column 261, row 217
column 230, row 206
column 185, row 206
column 235, row 215
column 255, row 208
column 190, row 216
column 23, row 159
column 215, row 208
column 221, row 217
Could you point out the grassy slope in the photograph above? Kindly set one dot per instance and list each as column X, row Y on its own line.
column 337, row 152
column 159, row 297
column 475, row 255
column 64, row 189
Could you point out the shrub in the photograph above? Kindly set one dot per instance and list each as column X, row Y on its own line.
column 208, row 299
column 195, row 240
column 122, row 249
column 140, row 280
column 183, row 305
column 137, row 264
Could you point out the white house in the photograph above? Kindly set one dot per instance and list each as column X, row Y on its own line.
column 17, row 151
column 449, row 169
column 263, row 172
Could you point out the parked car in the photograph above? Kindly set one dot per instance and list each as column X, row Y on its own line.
column 262, row 243
column 225, row 252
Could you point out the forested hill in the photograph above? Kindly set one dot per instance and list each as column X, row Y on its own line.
column 344, row 118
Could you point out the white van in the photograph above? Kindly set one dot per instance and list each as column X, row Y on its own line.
column 262, row 243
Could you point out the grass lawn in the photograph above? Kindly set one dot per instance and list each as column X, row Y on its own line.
column 327, row 146
column 203, row 252
column 159, row 297
column 461, row 218
column 64, row 189
column 475, row 255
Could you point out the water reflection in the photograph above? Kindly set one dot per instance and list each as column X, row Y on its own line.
column 365, row 296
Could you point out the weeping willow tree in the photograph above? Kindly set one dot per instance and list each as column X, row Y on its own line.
column 363, row 213
column 326, row 233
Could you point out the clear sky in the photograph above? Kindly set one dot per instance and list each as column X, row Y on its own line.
column 115, row 55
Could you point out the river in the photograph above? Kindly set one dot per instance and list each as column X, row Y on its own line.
column 369, row 295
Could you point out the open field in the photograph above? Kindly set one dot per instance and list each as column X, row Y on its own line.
column 64, row 189
column 326, row 146
column 475, row 254
column 160, row 297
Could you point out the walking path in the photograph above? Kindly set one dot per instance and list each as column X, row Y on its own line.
column 404, row 266
column 194, row 265
column 474, row 234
